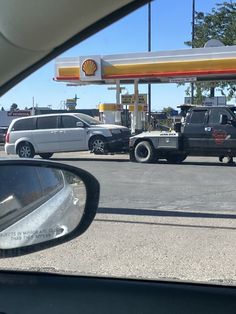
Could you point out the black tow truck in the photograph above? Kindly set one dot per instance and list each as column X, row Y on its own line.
column 204, row 131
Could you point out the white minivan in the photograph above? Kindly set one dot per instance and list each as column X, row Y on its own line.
column 46, row 134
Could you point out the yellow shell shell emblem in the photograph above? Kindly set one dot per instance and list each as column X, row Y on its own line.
column 89, row 67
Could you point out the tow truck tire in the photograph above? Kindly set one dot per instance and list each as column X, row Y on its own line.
column 131, row 156
column 176, row 158
column 144, row 152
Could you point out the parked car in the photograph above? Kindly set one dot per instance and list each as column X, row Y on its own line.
column 3, row 132
column 67, row 132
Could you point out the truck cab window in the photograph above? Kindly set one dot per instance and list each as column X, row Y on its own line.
column 214, row 117
column 198, row 116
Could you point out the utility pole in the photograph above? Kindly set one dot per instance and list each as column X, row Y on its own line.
column 193, row 37
column 33, row 107
column 149, row 49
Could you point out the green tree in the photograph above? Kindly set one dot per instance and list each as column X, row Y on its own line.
column 13, row 107
column 167, row 110
column 219, row 24
column 167, row 122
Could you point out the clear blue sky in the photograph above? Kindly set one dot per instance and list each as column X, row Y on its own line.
column 171, row 26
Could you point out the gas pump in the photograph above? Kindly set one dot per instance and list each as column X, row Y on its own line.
column 138, row 119
column 110, row 113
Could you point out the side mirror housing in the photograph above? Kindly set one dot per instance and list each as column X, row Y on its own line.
column 177, row 127
column 79, row 124
column 223, row 119
column 53, row 204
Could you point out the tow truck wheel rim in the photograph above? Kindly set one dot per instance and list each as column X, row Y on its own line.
column 142, row 151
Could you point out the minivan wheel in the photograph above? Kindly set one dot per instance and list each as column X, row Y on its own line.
column 46, row 155
column 25, row 150
column 97, row 145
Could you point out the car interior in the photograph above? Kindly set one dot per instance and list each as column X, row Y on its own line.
column 22, row 53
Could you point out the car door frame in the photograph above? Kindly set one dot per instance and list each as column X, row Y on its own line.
column 41, row 135
column 194, row 134
column 221, row 138
column 72, row 139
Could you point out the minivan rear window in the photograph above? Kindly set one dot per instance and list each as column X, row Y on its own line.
column 24, row 124
column 47, row 122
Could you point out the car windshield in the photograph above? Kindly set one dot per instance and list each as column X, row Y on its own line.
column 167, row 205
column 87, row 119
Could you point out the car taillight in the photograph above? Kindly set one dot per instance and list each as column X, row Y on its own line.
column 7, row 138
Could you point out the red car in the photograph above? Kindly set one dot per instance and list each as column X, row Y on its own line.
column 3, row 132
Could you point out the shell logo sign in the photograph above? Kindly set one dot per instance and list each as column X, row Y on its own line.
column 89, row 67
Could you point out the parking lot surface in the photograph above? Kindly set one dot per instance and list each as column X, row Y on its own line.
column 154, row 221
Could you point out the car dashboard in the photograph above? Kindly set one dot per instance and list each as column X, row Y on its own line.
column 34, row 293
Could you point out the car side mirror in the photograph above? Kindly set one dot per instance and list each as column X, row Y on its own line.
column 223, row 119
column 79, row 124
column 43, row 204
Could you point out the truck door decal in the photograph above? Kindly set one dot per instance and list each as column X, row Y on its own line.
column 220, row 136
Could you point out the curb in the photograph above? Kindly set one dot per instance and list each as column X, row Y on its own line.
column 76, row 156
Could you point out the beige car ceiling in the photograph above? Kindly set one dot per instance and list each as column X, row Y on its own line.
column 31, row 29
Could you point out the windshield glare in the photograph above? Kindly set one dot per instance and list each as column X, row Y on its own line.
column 167, row 208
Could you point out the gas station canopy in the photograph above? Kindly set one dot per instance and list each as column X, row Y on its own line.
column 188, row 65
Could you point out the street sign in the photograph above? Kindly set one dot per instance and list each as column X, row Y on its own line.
column 208, row 101
column 182, row 79
column 115, row 88
column 214, row 101
column 18, row 113
column 129, row 99
column 140, row 108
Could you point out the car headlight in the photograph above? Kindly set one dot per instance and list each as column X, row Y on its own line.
column 132, row 141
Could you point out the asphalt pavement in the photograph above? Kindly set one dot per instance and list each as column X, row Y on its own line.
column 157, row 221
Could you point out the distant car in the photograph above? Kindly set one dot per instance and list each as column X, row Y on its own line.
column 3, row 132
column 46, row 134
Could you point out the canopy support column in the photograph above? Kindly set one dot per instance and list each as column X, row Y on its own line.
column 118, row 111
column 134, row 127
